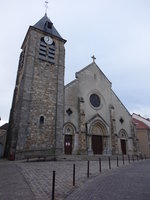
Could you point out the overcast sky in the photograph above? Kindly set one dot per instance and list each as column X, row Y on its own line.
column 117, row 32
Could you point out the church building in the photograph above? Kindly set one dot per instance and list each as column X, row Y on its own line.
column 85, row 117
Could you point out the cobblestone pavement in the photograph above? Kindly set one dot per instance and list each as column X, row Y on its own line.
column 13, row 185
column 132, row 182
column 33, row 180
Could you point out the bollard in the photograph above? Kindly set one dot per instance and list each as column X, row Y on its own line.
column 145, row 156
column 133, row 158
column 129, row 159
column 39, row 158
column 123, row 159
column 88, row 168
column 100, row 165
column 53, row 186
column 109, row 163
column 117, row 162
column 44, row 158
column 74, row 174
column 137, row 158
column 142, row 157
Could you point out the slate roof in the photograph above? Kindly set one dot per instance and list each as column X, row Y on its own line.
column 4, row 126
column 45, row 24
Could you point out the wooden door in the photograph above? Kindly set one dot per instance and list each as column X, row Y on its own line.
column 68, row 144
column 123, row 147
column 97, row 144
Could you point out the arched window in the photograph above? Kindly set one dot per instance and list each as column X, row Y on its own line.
column 41, row 120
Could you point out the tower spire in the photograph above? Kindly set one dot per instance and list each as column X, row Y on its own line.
column 46, row 6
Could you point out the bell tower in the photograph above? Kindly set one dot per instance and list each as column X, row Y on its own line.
column 37, row 113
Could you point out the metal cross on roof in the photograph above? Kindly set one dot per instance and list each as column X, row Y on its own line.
column 46, row 6
column 93, row 57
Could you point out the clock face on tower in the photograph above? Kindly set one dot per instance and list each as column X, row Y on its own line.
column 48, row 40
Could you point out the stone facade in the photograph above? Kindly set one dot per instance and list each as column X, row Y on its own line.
column 36, row 119
column 89, row 119
column 105, row 119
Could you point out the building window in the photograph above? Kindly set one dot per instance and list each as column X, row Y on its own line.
column 121, row 120
column 51, row 53
column 95, row 100
column 47, row 51
column 48, row 25
column 43, row 48
column 69, row 111
column 41, row 120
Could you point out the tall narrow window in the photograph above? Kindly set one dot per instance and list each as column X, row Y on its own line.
column 51, row 53
column 43, row 48
column 41, row 120
column 47, row 51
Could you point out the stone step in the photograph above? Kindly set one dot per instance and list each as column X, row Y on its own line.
column 90, row 157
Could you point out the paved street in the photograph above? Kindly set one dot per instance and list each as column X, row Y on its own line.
column 33, row 180
column 132, row 182
column 13, row 185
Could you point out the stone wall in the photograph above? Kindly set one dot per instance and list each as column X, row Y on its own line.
column 36, row 120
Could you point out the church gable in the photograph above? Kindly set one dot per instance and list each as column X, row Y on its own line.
column 93, row 71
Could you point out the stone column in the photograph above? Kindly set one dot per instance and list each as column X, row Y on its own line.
column 82, row 128
column 109, row 149
column 90, row 150
column 105, row 145
column 113, row 130
column 76, row 142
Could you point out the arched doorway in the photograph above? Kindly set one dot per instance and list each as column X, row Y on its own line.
column 68, row 144
column 99, row 138
column 97, row 144
column 123, row 141
column 68, row 139
column 123, row 146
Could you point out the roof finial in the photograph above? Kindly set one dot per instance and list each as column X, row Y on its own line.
column 46, row 6
column 93, row 57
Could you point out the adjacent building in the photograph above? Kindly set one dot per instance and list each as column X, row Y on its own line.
column 143, row 134
column 3, row 135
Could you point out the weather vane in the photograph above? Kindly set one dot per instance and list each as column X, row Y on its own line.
column 46, row 6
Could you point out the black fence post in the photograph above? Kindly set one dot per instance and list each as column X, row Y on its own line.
column 142, row 158
column 100, row 165
column 123, row 159
column 117, row 162
column 129, row 159
column 133, row 158
column 74, row 174
column 88, row 168
column 53, row 186
column 109, row 163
